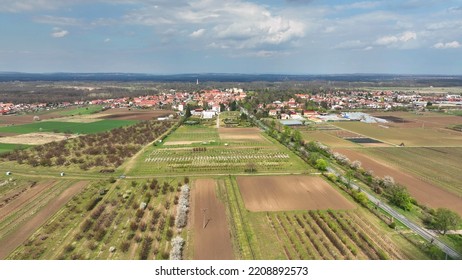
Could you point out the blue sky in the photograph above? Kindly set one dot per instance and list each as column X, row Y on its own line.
column 232, row 36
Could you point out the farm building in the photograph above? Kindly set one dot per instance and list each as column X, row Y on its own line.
column 208, row 114
column 291, row 122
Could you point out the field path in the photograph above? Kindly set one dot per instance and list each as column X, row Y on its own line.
column 17, row 237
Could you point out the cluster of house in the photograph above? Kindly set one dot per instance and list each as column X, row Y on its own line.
column 209, row 102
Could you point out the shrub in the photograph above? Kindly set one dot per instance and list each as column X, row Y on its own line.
column 124, row 246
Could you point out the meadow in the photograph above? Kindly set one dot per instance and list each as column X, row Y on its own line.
column 5, row 148
column 67, row 127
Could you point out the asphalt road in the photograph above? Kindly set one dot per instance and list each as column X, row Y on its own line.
column 427, row 235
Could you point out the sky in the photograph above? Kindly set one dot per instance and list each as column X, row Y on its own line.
column 232, row 36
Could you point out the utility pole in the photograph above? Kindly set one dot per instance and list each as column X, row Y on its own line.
column 204, row 223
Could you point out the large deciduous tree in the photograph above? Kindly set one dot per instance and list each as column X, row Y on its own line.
column 446, row 219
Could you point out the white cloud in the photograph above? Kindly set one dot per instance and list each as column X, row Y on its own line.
column 449, row 45
column 197, row 33
column 107, row 40
column 236, row 24
column 401, row 38
column 59, row 33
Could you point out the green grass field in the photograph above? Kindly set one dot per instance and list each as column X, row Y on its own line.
column 67, row 127
column 4, row 148
column 87, row 110
column 193, row 133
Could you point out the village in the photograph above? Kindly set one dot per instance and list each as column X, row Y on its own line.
column 330, row 106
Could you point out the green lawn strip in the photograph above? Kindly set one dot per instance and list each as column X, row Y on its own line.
column 67, row 127
column 86, row 110
column 239, row 217
column 5, row 147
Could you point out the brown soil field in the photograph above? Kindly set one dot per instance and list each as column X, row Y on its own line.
column 286, row 193
column 214, row 241
column 24, row 198
column 35, row 138
column 20, row 234
column 132, row 114
column 424, row 192
column 24, row 119
column 427, row 120
column 240, row 134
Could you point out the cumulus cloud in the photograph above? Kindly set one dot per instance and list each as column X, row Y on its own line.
column 236, row 24
column 402, row 38
column 449, row 45
column 59, row 33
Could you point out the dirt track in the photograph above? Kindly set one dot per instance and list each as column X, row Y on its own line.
column 16, row 238
column 286, row 193
column 424, row 192
column 212, row 242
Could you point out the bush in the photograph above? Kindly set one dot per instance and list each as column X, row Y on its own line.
column 93, row 203
column 124, row 246
column 86, row 225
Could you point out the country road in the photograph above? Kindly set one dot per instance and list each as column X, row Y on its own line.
column 427, row 235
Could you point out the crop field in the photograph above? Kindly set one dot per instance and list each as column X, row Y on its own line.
column 283, row 193
column 106, row 216
column 424, row 192
column 67, row 127
column 27, row 206
column 421, row 136
column 246, row 135
column 216, row 157
column 7, row 120
column 192, row 134
column 444, row 168
column 314, row 234
column 328, row 138
column 211, row 236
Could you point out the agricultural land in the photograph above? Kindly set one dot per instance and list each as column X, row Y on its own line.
column 161, row 177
